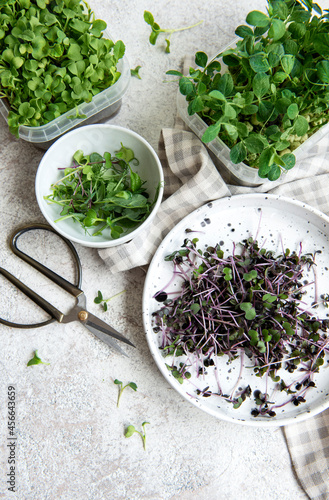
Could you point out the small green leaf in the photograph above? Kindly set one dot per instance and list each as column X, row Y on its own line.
column 287, row 63
column 186, row 87
column 256, row 18
column 261, row 84
column 148, row 18
column 301, row 125
column 130, row 431
column 211, row 132
column 99, row 298
column 36, row 360
column 201, row 59
column 195, row 308
column 238, row 153
column 277, row 29
column 135, row 72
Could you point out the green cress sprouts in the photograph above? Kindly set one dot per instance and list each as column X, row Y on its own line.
column 53, row 58
column 248, row 305
column 267, row 94
column 102, row 192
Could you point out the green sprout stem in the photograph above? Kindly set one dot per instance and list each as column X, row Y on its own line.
column 175, row 30
column 156, row 30
column 99, row 299
column 132, row 430
column 122, row 387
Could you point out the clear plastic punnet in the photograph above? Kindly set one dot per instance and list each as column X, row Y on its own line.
column 239, row 174
column 102, row 106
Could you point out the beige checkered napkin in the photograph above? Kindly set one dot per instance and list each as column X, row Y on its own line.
column 308, row 444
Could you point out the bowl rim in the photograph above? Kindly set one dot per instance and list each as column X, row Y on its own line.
column 111, row 242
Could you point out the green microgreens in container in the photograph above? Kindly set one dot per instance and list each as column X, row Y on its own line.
column 122, row 387
column 130, row 430
column 245, row 305
column 54, row 56
column 102, row 192
column 268, row 93
column 156, row 30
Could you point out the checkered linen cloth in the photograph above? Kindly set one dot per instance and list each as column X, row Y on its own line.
column 191, row 180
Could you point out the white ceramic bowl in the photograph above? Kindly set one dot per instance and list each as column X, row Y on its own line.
column 96, row 138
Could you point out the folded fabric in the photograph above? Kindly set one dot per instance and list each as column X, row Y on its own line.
column 308, row 444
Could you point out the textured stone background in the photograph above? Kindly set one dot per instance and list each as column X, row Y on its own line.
column 71, row 444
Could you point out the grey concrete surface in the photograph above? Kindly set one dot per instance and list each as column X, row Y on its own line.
column 70, row 434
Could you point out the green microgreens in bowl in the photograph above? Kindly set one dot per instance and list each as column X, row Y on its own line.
column 268, row 93
column 156, row 30
column 122, row 387
column 253, row 310
column 53, row 58
column 103, row 192
column 132, row 430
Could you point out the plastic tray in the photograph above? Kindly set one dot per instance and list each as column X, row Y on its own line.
column 102, row 105
column 240, row 174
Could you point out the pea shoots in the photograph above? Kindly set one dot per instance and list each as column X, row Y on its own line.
column 266, row 94
column 248, row 305
column 102, row 192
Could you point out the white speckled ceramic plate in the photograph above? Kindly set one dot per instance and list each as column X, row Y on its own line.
column 272, row 220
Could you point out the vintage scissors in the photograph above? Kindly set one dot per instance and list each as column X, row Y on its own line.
column 95, row 325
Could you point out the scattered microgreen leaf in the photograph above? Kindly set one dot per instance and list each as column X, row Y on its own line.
column 36, row 360
column 130, row 430
column 135, row 72
column 156, row 30
column 100, row 300
column 122, row 387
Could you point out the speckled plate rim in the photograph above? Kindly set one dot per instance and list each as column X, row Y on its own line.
column 244, row 204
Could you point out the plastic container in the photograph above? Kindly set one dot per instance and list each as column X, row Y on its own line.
column 102, row 106
column 239, row 174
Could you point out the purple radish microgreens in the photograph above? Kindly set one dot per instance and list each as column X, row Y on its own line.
column 248, row 304
column 102, row 192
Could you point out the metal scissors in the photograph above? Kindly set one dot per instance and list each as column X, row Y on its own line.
column 95, row 325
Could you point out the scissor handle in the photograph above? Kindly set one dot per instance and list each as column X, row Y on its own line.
column 37, row 299
column 59, row 280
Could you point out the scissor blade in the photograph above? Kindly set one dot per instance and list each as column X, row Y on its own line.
column 97, row 324
column 105, row 338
